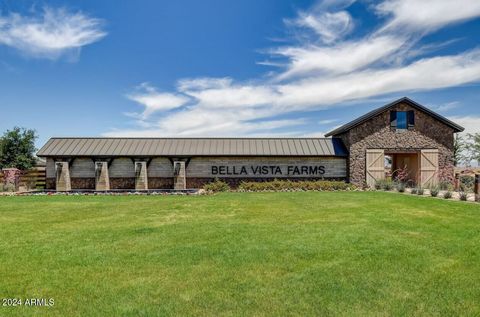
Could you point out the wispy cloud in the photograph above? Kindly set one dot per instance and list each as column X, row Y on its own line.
column 50, row 34
column 446, row 106
column 426, row 15
column 470, row 123
column 154, row 101
column 316, row 75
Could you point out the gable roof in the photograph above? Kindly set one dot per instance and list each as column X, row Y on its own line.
column 151, row 147
column 371, row 114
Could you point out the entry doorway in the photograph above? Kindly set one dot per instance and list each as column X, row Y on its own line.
column 404, row 167
column 415, row 168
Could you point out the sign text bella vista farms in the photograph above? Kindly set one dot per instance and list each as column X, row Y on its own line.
column 257, row 170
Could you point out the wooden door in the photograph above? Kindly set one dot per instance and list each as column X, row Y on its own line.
column 428, row 167
column 375, row 168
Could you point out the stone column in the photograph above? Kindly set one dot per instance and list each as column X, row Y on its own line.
column 11, row 178
column 102, row 179
column 141, row 177
column 62, row 177
column 457, row 182
column 477, row 187
column 179, row 181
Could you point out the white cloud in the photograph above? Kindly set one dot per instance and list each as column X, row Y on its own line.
column 328, row 26
column 470, row 123
column 154, row 101
column 313, row 77
column 446, row 106
column 327, row 121
column 51, row 34
column 427, row 15
column 342, row 58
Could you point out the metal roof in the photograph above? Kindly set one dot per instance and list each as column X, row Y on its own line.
column 371, row 114
column 149, row 147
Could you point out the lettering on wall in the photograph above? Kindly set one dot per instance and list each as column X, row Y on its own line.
column 275, row 170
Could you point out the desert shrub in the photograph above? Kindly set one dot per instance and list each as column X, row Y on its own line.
column 434, row 191
column 287, row 185
column 414, row 191
column 420, row 191
column 216, row 186
column 467, row 183
column 463, row 196
column 388, row 185
column 8, row 187
column 401, row 187
column 445, row 185
column 384, row 184
column 447, row 195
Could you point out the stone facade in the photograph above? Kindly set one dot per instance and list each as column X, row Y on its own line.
column 430, row 133
column 376, row 133
column 234, row 182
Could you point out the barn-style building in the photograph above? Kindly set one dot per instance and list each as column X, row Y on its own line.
column 410, row 134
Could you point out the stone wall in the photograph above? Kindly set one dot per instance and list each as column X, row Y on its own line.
column 376, row 133
column 267, row 167
column 200, row 170
column 198, row 182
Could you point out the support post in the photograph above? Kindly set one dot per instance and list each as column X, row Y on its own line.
column 102, row 178
column 141, row 177
column 62, row 177
column 457, row 182
column 477, row 187
column 179, row 180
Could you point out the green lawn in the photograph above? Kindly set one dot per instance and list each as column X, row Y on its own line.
column 274, row 254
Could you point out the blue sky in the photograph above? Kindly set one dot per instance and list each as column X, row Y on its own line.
column 231, row 68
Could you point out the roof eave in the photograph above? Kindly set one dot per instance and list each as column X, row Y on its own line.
column 354, row 123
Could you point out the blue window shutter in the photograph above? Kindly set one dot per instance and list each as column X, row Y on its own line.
column 393, row 119
column 411, row 119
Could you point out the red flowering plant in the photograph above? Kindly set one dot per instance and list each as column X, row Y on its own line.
column 11, row 178
column 401, row 175
column 446, row 177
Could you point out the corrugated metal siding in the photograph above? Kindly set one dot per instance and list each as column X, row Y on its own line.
column 193, row 147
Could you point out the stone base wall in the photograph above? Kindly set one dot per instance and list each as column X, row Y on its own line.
column 234, row 182
column 83, row 183
column 127, row 183
column 160, row 183
column 50, row 184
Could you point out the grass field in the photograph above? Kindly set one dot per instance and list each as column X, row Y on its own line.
column 265, row 254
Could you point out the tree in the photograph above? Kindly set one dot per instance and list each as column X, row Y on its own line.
column 17, row 148
column 474, row 147
column 459, row 150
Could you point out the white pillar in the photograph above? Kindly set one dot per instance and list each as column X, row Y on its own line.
column 102, row 179
column 179, row 180
column 62, row 177
column 141, row 175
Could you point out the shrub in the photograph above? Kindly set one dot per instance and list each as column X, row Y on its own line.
column 401, row 187
column 447, row 195
column 388, row 185
column 401, row 174
column 287, row 185
column 216, row 186
column 445, row 185
column 420, row 191
column 434, row 191
column 467, row 183
column 463, row 196
column 414, row 191
column 8, row 187
column 384, row 184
